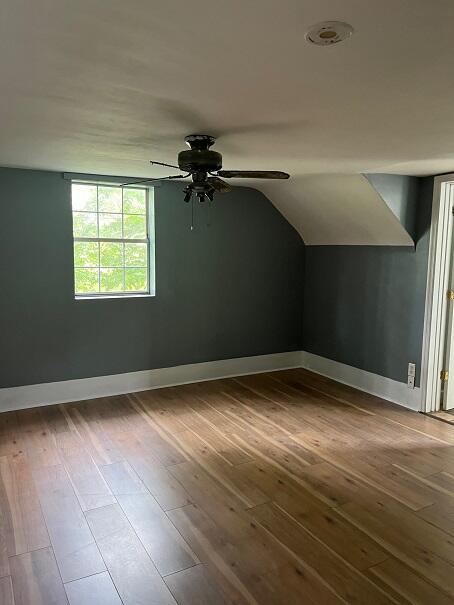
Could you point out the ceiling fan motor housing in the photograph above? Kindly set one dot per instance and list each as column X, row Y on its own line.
column 199, row 158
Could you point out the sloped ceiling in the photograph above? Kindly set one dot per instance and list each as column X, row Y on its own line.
column 338, row 209
column 102, row 86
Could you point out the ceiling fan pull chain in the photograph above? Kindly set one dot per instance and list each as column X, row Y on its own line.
column 192, row 213
column 210, row 205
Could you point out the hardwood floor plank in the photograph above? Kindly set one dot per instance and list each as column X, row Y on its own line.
column 163, row 446
column 411, row 526
column 270, row 450
column 440, row 514
column 160, row 407
column 251, row 564
column 301, row 583
column 281, row 488
column 234, row 562
column 6, row 591
column 55, row 419
column 342, row 537
column 116, row 416
column 90, row 430
column 89, row 485
column 153, row 474
column 134, row 575
column 221, row 445
column 167, row 549
column 23, row 528
column 337, row 487
column 348, row 583
column 122, row 479
column 265, row 385
column 219, row 469
column 201, row 403
column 409, row 584
column 408, row 493
column 11, row 441
column 222, row 505
column 197, row 418
column 266, row 410
column 308, row 457
column 420, row 454
column 97, row 590
column 409, row 548
column 4, row 562
column 75, row 549
column 384, row 409
column 38, row 441
column 36, row 580
column 193, row 587
column 442, row 482
column 246, row 417
column 182, row 404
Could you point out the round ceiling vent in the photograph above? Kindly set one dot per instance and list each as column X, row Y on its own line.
column 329, row 32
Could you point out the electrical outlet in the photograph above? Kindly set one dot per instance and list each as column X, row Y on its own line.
column 411, row 375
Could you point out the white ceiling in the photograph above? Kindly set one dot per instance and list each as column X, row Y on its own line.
column 102, row 86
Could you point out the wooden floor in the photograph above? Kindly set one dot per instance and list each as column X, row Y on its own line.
column 282, row 489
column 445, row 416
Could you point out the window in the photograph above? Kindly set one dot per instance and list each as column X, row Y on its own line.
column 112, row 249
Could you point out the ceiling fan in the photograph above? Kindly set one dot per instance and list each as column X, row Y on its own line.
column 204, row 166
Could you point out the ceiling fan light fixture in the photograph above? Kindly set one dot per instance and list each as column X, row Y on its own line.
column 327, row 33
column 203, row 166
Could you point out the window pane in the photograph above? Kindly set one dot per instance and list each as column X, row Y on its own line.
column 86, row 254
column 110, row 225
column 111, row 280
column 134, row 201
column 84, row 197
column 85, row 224
column 111, row 254
column 136, row 280
column 136, row 255
column 86, row 281
column 120, row 216
column 134, row 226
column 109, row 199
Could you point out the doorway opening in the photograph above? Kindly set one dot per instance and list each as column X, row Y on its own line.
column 437, row 369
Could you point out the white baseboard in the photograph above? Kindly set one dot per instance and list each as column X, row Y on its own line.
column 17, row 398
column 383, row 387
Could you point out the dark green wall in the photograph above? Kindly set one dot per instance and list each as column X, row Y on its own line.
column 364, row 305
column 231, row 288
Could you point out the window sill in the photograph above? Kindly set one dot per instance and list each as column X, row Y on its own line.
column 116, row 296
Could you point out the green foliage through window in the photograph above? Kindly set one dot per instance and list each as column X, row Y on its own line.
column 111, row 240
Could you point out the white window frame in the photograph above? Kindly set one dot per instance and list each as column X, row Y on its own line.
column 149, row 240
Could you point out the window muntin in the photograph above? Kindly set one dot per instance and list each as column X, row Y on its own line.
column 111, row 240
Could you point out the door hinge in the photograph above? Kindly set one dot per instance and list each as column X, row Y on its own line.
column 450, row 294
column 444, row 375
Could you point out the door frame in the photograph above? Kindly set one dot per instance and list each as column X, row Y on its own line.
column 435, row 315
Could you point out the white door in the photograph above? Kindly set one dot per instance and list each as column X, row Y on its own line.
column 447, row 386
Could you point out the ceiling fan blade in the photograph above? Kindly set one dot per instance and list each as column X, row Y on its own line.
column 164, row 164
column 219, row 185
column 253, row 174
column 162, row 178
